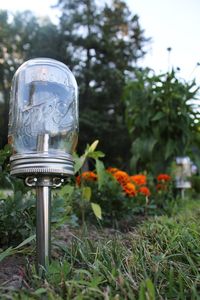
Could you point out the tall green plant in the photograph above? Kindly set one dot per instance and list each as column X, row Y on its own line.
column 161, row 119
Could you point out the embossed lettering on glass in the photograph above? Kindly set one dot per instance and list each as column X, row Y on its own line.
column 43, row 121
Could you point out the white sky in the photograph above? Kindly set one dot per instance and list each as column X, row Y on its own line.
column 170, row 23
column 175, row 24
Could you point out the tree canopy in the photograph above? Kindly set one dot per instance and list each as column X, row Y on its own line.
column 100, row 43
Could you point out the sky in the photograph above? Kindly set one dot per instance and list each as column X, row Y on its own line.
column 169, row 23
column 175, row 24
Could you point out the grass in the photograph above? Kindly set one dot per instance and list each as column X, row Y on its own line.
column 160, row 259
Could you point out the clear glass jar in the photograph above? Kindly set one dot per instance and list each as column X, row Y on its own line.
column 43, row 101
column 43, row 110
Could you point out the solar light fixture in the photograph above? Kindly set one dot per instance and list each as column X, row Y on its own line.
column 183, row 173
column 43, row 132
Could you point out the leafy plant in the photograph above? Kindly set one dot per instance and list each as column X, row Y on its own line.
column 4, row 155
column 81, row 197
column 162, row 118
column 164, row 195
column 113, row 194
column 17, row 218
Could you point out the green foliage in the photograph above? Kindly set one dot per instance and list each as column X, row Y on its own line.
column 61, row 210
column 18, row 207
column 195, row 181
column 89, row 195
column 159, row 260
column 101, row 193
column 4, row 155
column 5, row 180
column 97, row 210
column 17, row 218
column 18, row 213
column 147, row 290
column 12, row 251
column 89, row 153
column 162, row 118
column 80, row 197
column 103, row 197
column 165, row 195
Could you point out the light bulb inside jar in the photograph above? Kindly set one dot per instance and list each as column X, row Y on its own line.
column 43, row 120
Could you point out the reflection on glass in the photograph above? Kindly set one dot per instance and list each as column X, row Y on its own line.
column 43, row 103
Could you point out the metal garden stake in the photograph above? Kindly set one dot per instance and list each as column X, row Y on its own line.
column 43, row 131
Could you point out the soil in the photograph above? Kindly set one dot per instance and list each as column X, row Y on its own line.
column 12, row 271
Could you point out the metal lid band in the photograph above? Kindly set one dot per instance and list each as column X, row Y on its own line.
column 42, row 163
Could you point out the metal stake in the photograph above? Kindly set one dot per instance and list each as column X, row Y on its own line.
column 43, row 185
column 43, row 227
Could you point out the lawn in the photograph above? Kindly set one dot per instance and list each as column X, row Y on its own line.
column 158, row 259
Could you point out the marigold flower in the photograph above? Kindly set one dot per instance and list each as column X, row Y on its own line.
column 144, row 191
column 130, row 189
column 122, row 177
column 88, row 175
column 112, row 170
column 139, row 179
column 163, row 177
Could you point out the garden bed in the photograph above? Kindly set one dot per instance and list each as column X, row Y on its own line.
column 158, row 259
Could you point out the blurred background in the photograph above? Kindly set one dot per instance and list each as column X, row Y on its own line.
column 137, row 67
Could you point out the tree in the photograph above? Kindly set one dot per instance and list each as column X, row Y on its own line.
column 8, row 62
column 104, row 43
column 22, row 38
column 161, row 118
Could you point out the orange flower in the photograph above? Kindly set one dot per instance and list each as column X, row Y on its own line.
column 139, row 179
column 130, row 189
column 144, row 191
column 163, row 177
column 88, row 175
column 112, row 170
column 122, row 177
